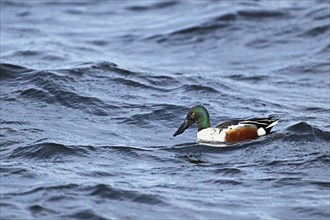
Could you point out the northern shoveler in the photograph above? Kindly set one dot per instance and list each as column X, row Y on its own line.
column 231, row 131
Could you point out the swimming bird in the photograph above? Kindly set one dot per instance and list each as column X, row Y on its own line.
column 231, row 131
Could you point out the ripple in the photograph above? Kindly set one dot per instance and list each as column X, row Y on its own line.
column 39, row 210
column 199, row 89
column 307, row 68
column 315, row 31
column 230, row 182
column 323, row 184
column 318, row 13
column 255, row 78
column 108, row 192
column 312, row 212
column 162, row 81
column 200, row 29
column 158, row 114
column 229, row 17
column 28, row 53
column 227, row 171
column 98, row 42
column 135, row 84
column 295, row 181
column 261, row 14
column 8, row 171
column 193, row 158
column 152, row 6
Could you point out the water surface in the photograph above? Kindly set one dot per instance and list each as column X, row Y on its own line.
column 92, row 92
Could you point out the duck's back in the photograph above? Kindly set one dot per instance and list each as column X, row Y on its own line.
column 265, row 124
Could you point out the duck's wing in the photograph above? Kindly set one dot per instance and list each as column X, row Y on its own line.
column 228, row 124
column 265, row 124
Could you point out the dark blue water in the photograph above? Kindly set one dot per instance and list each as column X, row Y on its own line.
column 92, row 92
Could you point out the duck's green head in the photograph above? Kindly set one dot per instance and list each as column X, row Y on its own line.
column 197, row 114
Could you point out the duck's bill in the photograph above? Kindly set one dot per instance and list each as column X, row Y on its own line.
column 186, row 124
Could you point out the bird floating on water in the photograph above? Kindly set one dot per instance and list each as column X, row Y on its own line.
column 231, row 131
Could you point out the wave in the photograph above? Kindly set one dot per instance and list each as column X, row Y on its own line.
column 219, row 25
column 62, row 187
column 86, row 214
column 103, row 191
column 106, row 70
column 10, row 70
column 222, row 27
column 97, row 192
column 50, row 151
column 305, row 131
column 63, row 86
column 69, row 99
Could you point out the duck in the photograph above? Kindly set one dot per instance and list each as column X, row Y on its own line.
column 230, row 131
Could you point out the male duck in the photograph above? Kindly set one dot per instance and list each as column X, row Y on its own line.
column 231, row 131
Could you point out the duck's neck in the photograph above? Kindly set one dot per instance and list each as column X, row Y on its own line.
column 205, row 123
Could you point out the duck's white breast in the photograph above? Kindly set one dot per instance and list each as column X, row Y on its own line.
column 211, row 135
